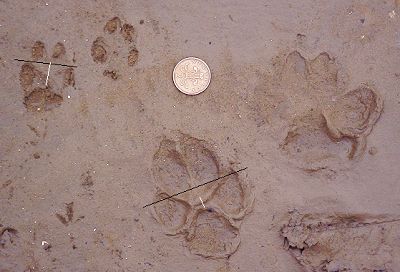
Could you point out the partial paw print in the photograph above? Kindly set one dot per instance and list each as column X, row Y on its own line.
column 10, row 247
column 353, row 116
column 15, row 253
column 117, row 49
column 8, row 237
column 69, row 215
column 323, row 126
column 37, row 95
column 343, row 242
column 212, row 232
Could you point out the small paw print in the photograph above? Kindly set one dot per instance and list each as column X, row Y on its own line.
column 37, row 95
column 116, row 48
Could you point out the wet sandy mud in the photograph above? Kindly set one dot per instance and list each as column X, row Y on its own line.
column 304, row 94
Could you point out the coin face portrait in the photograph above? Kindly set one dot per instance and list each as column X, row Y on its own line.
column 191, row 76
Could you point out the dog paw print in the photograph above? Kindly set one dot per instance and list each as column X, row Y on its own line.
column 117, row 48
column 37, row 95
column 325, row 126
column 212, row 231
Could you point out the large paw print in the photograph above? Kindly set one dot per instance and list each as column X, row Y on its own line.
column 323, row 125
column 186, row 162
column 117, row 48
column 38, row 96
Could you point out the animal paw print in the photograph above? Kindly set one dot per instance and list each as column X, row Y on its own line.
column 212, row 232
column 38, row 96
column 118, row 48
column 353, row 115
column 342, row 241
column 323, row 124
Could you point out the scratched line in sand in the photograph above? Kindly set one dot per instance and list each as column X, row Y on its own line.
column 187, row 190
column 202, row 202
column 46, row 63
column 48, row 73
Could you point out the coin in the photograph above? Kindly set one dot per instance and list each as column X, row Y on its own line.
column 191, row 76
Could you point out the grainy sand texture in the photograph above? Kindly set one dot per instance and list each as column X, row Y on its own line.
column 305, row 94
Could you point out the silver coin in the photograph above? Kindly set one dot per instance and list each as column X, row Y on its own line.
column 191, row 76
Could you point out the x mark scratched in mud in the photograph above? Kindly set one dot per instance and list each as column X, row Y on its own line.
column 187, row 190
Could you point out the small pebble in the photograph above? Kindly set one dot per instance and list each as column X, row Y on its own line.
column 372, row 151
column 46, row 245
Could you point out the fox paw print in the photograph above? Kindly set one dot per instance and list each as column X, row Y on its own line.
column 37, row 95
column 116, row 48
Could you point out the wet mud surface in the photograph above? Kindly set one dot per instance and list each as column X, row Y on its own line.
column 304, row 94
